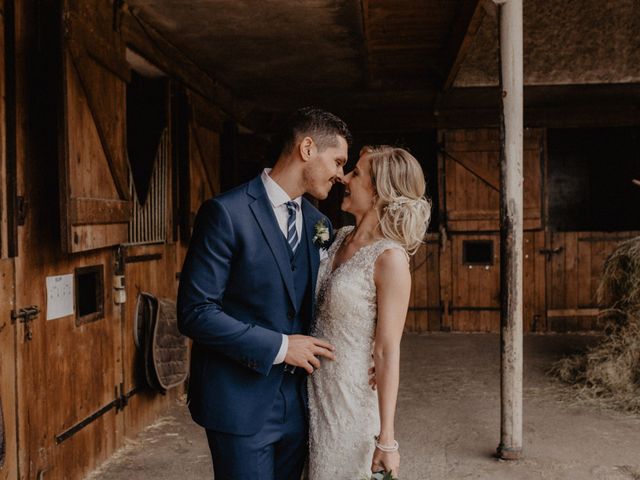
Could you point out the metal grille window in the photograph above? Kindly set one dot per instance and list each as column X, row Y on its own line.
column 149, row 220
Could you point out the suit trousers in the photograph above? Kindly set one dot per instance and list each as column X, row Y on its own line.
column 278, row 451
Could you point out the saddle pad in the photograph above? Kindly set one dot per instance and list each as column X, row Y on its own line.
column 170, row 350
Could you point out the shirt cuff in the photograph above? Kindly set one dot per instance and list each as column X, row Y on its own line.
column 282, row 353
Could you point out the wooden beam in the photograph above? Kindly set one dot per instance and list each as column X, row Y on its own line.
column 511, row 228
column 90, row 211
column 461, row 38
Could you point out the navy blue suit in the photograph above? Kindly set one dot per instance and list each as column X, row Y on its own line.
column 239, row 292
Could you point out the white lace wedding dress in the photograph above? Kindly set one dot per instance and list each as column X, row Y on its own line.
column 343, row 410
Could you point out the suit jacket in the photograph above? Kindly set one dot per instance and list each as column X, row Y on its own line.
column 235, row 300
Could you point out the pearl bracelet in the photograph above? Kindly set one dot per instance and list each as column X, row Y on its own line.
column 387, row 448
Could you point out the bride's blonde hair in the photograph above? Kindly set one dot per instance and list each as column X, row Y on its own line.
column 398, row 180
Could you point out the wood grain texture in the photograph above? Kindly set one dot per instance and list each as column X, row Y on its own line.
column 8, row 464
column 472, row 187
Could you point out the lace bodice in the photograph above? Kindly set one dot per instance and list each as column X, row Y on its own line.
column 343, row 408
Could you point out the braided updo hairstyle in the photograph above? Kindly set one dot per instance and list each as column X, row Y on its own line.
column 402, row 208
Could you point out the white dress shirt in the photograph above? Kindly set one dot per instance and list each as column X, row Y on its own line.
column 279, row 198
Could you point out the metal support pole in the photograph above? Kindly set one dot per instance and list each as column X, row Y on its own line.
column 511, row 228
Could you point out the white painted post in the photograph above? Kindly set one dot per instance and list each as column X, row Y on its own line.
column 511, row 227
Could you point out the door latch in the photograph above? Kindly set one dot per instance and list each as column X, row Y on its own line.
column 26, row 315
column 549, row 252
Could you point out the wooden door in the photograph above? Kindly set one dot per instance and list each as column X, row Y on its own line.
column 470, row 249
column 200, row 173
column 470, row 165
column 575, row 262
column 204, row 153
column 425, row 307
column 471, row 282
column 94, row 214
column 8, row 420
column 68, row 366
column 475, row 283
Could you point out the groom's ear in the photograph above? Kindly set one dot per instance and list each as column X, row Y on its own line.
column 307, row 148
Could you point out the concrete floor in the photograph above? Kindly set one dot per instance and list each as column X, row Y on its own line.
column 448, row 422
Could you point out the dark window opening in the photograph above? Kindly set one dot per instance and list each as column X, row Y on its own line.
column 89, row 291
column 477, row 252
column 146, row 122
column 590, row 174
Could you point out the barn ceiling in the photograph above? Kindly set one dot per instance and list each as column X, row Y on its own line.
column 393, row 59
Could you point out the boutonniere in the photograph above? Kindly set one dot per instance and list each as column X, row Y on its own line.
column 321, row 237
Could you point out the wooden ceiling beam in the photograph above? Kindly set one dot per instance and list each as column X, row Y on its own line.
column 461, row 38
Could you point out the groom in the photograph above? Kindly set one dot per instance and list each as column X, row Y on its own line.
column 246, row 298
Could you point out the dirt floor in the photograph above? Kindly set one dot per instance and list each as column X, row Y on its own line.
column 448, row 421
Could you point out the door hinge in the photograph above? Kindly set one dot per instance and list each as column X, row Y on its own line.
column 22, row 206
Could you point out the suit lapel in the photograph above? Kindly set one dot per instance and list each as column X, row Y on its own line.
column 263, row 212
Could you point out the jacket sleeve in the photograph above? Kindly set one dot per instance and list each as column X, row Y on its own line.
column 203, row 281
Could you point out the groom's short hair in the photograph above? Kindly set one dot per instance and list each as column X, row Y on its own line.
column 322, row 126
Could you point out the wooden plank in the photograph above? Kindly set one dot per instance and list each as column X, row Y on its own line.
column 83, row 211
column 463, row 32
column 540, row 262
column 466, row 161
column 483, row 214
column 8, row 434
column 433, row 284
column 105, row 97
column 208, row 144
column 9, row 234
column 421, row 317
column 81, row 40
column 570, row 313
column 409, row 325
column 4, row 218
column 585, row 280
column 571, row 276
column 446, row 274
column 459, row 282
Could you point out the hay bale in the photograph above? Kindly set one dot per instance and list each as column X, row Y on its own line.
column 619, row 289
column 609, row 372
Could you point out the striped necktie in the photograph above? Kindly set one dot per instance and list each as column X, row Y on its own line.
column 292, row 233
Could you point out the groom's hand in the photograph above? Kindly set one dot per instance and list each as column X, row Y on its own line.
column 305, row 352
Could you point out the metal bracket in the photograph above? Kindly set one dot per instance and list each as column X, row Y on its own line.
column 549, row 252
column 26, row 315
column 22, row 205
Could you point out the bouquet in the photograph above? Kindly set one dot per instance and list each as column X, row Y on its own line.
column 383, row 476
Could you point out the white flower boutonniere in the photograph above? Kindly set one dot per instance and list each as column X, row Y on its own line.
column 321, row 237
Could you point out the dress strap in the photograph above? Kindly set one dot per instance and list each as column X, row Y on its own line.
column 382, row 246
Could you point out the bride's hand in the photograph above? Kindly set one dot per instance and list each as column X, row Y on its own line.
column 385, row 461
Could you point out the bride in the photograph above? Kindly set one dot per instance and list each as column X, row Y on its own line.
column 363, row 295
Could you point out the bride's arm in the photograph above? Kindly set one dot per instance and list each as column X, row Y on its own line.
column 393, row 284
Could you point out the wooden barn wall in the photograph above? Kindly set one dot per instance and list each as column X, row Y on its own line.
column 72, row 172
column 561, row 269
column 576, row 262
